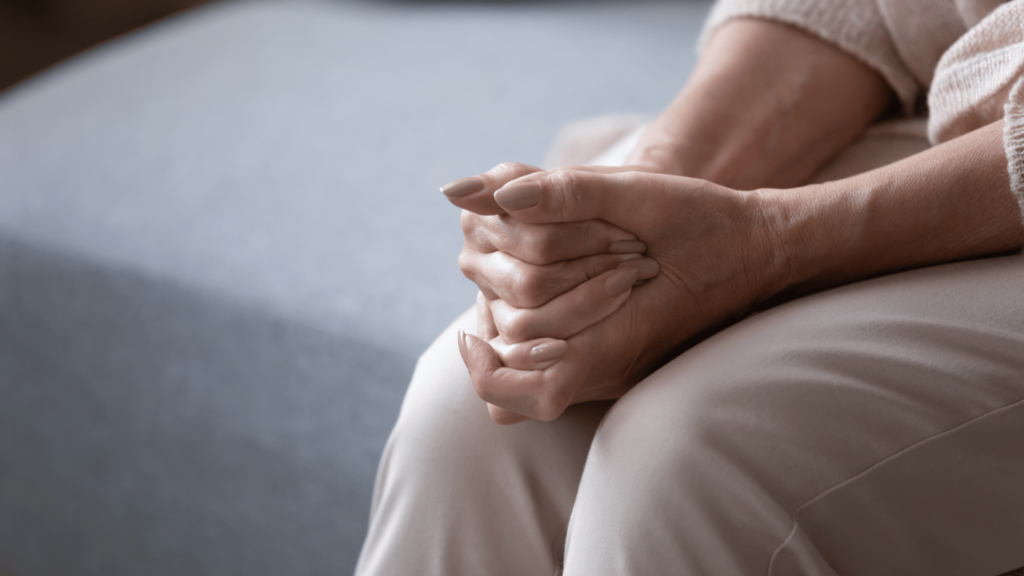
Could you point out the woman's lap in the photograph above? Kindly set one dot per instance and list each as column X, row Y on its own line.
column 458, row 494
column 871, row 429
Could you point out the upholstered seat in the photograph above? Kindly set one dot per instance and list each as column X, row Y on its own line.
column 222, row 249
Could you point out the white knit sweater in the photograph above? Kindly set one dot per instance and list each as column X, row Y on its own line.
column 966, row 55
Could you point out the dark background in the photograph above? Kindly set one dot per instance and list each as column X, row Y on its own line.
column 35, row 34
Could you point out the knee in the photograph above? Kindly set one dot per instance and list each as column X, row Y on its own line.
column 440, row 410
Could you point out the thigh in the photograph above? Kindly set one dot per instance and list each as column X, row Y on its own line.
column 457, row 494
column 873, row 429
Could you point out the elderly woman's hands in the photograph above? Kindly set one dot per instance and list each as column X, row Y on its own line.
column 529, row 265
column 715, row 249
column 544, row 282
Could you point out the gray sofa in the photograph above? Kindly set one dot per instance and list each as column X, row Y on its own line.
column 222, row 249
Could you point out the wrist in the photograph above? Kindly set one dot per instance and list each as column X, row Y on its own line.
column 804, row 230
column 825, row 235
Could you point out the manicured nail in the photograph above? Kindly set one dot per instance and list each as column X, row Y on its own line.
column 620, row 281
column 645, row 267
column 548, row 351
column 518, row 196
column 627, row 246
column 463, row 187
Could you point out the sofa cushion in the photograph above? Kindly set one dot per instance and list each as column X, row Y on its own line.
column 222, row 249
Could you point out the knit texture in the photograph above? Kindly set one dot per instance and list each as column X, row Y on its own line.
column 975, row 75
column 1013, row 141
column 921, row 30
column 967, row 54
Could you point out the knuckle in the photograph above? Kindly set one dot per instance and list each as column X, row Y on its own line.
column 587, row 268
column 566, row 186
column 469, row 222
column 531, row 288
column 507, row 171
column 467, row 264
column 517, row 327
column 532, row 244
column 482, row 232
column 501, row 415
column 634, row 179
column 540, row 245
column 550, row 404
column 594, row 236
column 506, row 168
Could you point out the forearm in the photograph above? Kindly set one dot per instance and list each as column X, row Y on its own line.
column 766, row 106
column 947, row 203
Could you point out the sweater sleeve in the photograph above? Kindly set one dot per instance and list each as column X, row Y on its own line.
column 979, row 80
column 975, row 76
column 854, row 26
column 1013, row 141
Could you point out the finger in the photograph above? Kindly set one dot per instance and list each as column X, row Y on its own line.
column 525, row 285
column 484, row 321
column 536, row 354
column 476, row 193
column 646, row 268
column 546, row 243
column 504, row 417
column 568, row 314
column 535, row 394
column 579, row 195
column 605, row 169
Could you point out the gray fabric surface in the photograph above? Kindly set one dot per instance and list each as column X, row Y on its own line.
column 147, row 428
column 222, row 248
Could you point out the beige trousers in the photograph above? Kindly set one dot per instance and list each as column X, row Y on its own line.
column 873, row 429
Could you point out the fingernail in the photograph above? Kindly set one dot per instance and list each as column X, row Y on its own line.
column 620, row 281
column 518, row 196
column 646, row 267
column 548, row 351
column 463, row 187
column 627, row 246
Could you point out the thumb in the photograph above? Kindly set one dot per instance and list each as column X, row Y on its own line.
column 577, row 195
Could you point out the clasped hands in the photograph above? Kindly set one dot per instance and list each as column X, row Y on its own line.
column 592, row 277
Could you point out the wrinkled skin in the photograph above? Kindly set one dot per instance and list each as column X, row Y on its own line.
column 685, row 224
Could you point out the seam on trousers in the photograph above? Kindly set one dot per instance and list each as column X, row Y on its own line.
column 792, row 532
